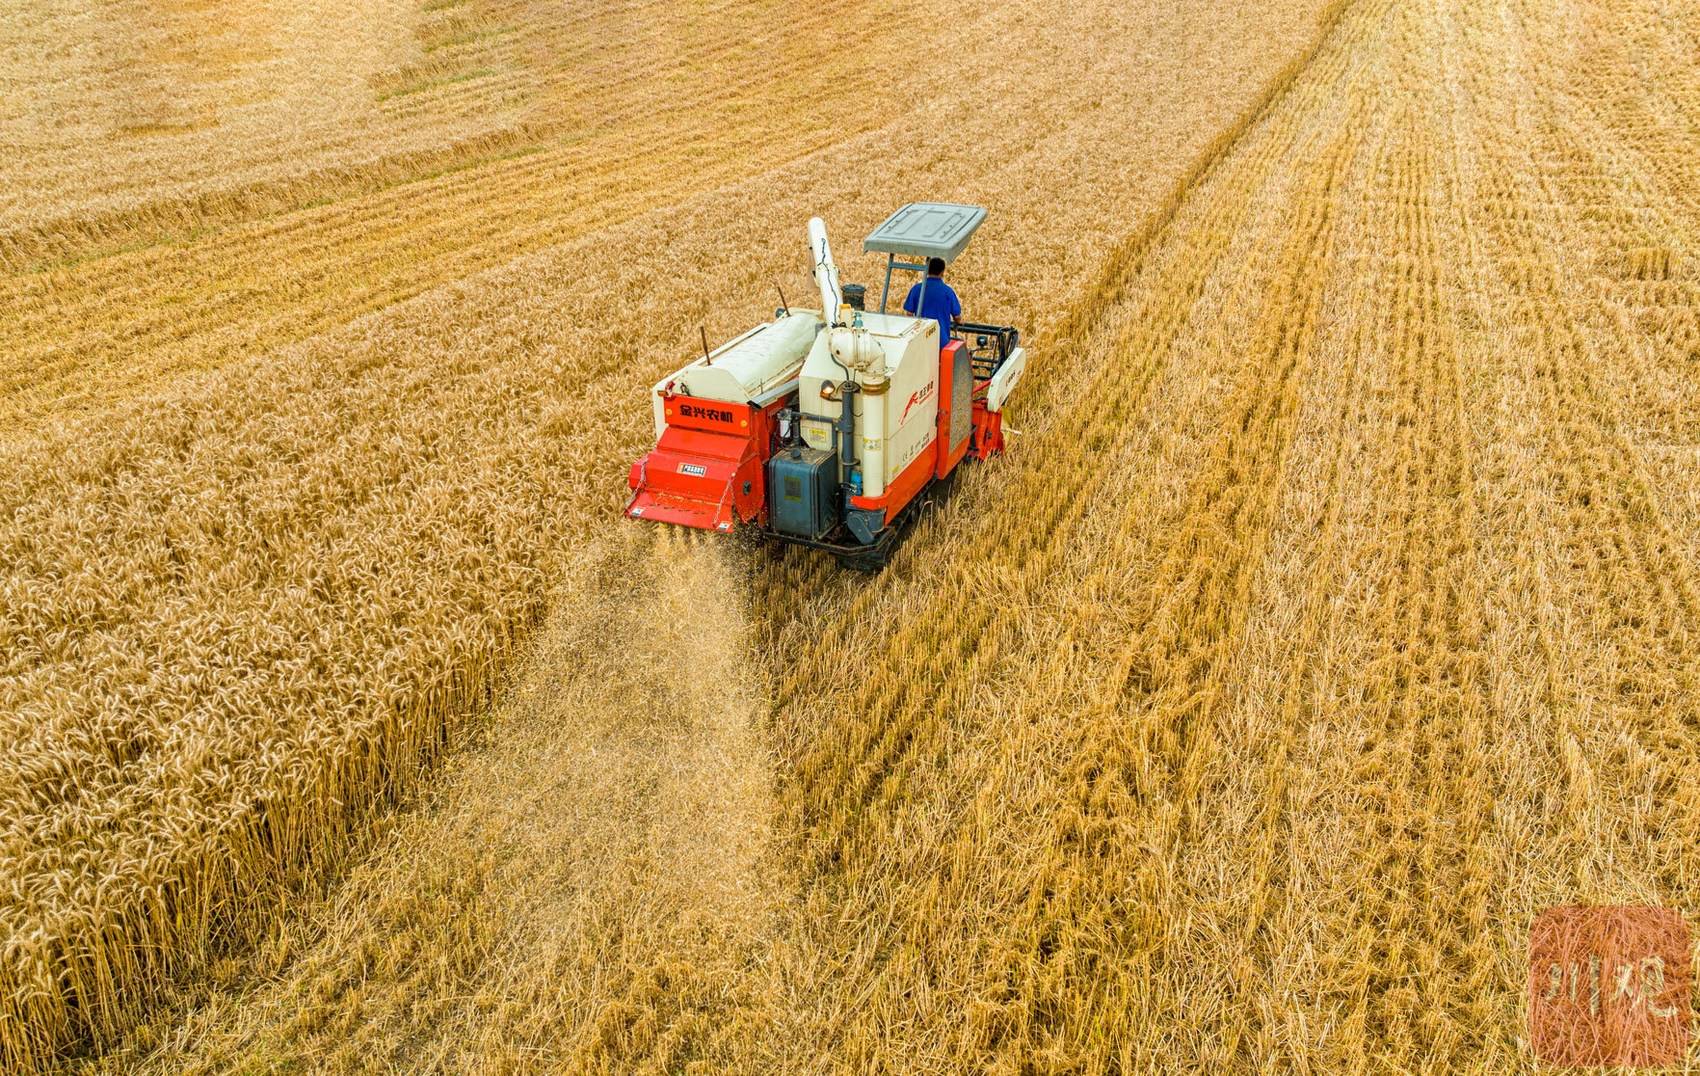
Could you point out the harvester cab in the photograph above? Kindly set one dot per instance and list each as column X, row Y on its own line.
column 825, row 428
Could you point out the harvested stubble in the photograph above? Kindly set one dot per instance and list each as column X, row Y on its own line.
column 242, row 610
column 1351, row 600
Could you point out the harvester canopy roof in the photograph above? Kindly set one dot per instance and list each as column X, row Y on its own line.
column 927, row 230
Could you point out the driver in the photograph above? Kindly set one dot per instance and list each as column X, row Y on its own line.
column 940, row 304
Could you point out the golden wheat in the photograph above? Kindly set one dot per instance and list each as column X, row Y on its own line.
column 1332, row 614
column 244, row 608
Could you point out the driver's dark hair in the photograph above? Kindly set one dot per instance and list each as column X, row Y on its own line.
column 935, row 267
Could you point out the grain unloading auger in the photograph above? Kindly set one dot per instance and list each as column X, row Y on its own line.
column 826, row 428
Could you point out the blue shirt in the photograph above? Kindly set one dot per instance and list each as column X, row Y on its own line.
column 942, row 306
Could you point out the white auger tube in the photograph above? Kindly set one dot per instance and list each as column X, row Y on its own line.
column 826, row 273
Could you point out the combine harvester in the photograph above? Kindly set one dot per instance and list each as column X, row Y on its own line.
column 827, row 435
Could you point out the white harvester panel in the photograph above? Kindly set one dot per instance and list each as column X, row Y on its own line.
column 909, row 406
column 746, row 368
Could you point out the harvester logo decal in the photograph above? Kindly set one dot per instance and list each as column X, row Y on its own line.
column 713, row 414
column 918, row 396
column 696, row 469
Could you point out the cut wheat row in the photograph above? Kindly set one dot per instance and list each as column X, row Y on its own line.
column 1397, row 932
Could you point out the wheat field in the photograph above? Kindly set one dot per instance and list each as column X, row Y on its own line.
column 1332, row 614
